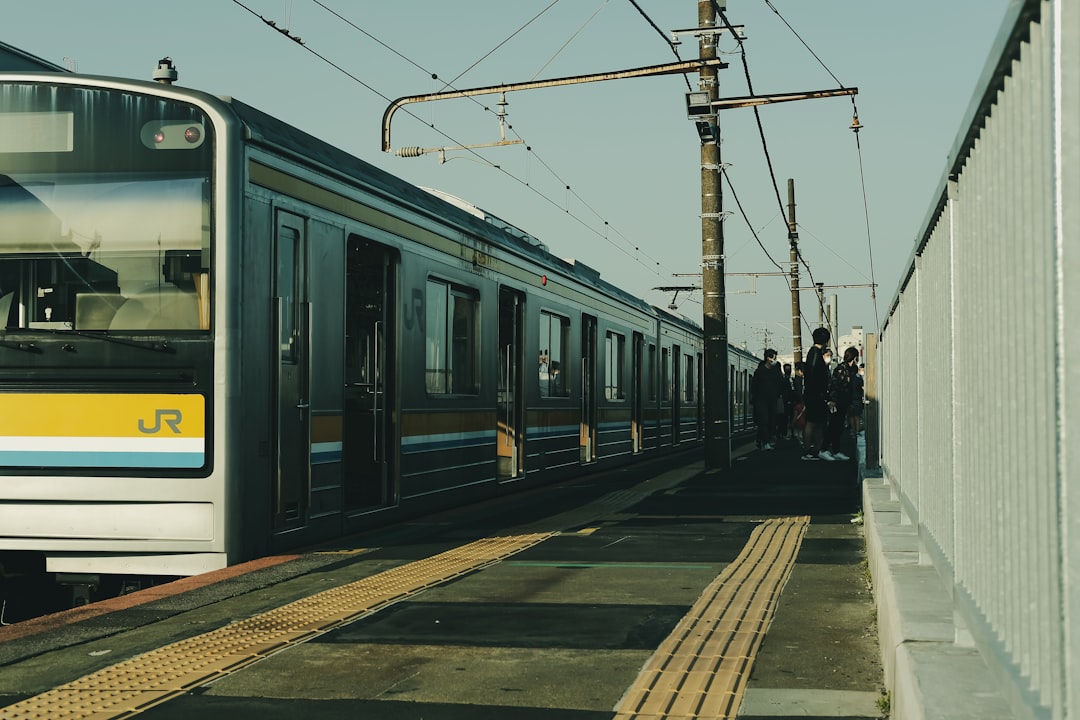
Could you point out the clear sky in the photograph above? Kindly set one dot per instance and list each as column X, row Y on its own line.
column 625, row 148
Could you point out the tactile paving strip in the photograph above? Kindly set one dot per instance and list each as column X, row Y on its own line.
column 701, row 669
column 129, row 687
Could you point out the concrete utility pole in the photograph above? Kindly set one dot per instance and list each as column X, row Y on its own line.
column 793, row 241
column 714, row 305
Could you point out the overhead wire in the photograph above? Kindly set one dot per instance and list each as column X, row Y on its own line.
column 746, row 219
column 570, row 39
column 512, row 35
column 532, row 152
column 855, row 126
column 607, row 226
column 869, row 244
column 661, row 33
column 761, row 134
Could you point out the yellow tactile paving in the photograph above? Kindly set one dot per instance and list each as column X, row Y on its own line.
column 129, row 687
column 701, row 668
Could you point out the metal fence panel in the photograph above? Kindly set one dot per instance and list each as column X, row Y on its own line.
column 977, row 396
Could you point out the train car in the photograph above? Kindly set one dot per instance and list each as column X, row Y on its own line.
column 741, row 367
column 223, row 338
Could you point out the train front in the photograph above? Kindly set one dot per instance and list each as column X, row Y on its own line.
column 107, row 348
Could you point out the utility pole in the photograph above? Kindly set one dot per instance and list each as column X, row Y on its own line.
column 793, row 241
column 714, row 311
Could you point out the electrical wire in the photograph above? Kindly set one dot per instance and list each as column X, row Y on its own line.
column 570, row 39
column 809, row 49
column 764, row 143
column 869, row 244
column 607, row 226
column 746, row 219
column 838, row 256
column 858, row 144
column 660, row 32
column 490, row 52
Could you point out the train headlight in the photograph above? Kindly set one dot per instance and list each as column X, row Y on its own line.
column 172, row 135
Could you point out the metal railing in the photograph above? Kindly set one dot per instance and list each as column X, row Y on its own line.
column 980, row 367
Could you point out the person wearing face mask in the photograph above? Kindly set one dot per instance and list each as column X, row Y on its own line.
column 765, row 394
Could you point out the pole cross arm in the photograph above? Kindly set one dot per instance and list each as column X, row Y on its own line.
column 667, row 69
column 753, row 100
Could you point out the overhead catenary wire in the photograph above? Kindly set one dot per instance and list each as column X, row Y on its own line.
column 571, row 38
column 742, row 212
column 761, row 135
column 660, row 32
column 632, row 247
column 855, row 127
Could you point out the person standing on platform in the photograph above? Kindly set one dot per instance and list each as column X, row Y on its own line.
column 840, row 391
column 858, row 400
column 816, row 397
column 798, row 407
column 787, row 394
column 765, row 394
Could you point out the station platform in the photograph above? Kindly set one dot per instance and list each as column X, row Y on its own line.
column 655, row 591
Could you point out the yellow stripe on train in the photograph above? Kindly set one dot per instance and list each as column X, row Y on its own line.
column 102, row 415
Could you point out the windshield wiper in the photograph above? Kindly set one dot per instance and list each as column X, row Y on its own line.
column 155, row 345
column 25, row 347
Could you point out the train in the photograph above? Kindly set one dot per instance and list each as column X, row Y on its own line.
column 224, row 338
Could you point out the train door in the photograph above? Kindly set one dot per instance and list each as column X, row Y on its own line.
column 368, row 429
column 637, row 430
column 291, row 318
column 588, row 389
column 510, row 413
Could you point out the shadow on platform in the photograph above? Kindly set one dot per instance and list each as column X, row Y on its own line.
column 777, row 482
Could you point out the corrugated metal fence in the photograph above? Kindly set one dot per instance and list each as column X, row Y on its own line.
column 980, row 366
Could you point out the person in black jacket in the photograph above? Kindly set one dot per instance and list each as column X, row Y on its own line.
column 841, row 392
column 765, row 394
column 816, row 397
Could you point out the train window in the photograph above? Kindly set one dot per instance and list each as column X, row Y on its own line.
column 665, row 375
column 554, row 347
column 452, row 347
column 688, row 379
column 614, row 356
column 650, row 371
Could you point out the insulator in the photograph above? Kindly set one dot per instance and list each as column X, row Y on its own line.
column 411, row 151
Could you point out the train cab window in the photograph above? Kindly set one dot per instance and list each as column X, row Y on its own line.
column 101, row 228
column 452, row 344
column 614, row 362
column 554, row 349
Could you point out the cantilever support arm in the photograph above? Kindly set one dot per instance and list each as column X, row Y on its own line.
column 667, row 69
column 752, row 100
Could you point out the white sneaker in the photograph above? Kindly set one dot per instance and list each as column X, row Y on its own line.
column 841, row 456
column 826, row 455
column 767, row 446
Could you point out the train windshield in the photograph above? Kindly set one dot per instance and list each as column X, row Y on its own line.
column 105, row 202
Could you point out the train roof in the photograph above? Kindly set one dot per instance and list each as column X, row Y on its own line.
column 271, row 132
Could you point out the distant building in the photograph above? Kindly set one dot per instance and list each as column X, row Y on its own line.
column 855, row 340
column 12, row 59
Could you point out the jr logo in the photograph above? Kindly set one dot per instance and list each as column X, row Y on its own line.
column 171, row 418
